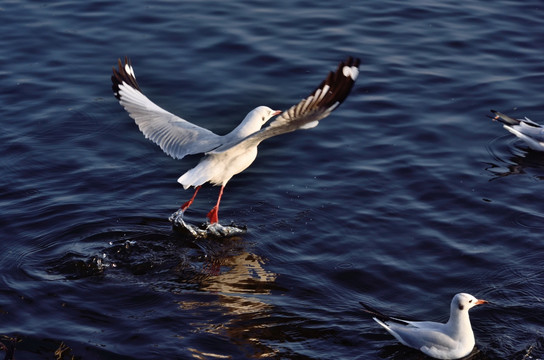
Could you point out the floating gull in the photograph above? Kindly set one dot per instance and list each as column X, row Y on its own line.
column 228, row 155
column 452, row 340
column 525, row 129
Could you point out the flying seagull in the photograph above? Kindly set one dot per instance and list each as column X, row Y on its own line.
column 452, row 340
column 525, row 129
column 230, row 154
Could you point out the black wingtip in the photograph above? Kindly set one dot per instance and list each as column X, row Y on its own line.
column 121, row 75
column 496, row 116
column 374, row 312
column 367, row 308
column 380, row 316
column 340, row 82
column 505, row 119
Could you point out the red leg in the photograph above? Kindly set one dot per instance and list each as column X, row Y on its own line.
column 188, row 203
column 212, row 215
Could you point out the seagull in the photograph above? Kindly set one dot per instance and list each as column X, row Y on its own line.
column 230, row 154
column 452, row 340
column 525, row 129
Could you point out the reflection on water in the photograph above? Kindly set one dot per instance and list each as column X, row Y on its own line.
column 243, row 273
column 239, row 280
column 206, row 355
column 400, row 352
column 244, row 321
column 512, row 160
column 179, row 265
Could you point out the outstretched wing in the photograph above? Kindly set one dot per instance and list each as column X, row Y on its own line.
column 307, row 113
column 175, row 136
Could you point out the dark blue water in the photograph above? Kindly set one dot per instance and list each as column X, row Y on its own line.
column 405, row 196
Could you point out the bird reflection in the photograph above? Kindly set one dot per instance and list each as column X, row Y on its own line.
column 220, row 285
column 243, row 273
column 519, row 162
column 400, row 352
column 239, row 280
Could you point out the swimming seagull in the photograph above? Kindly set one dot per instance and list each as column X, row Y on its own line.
column 228, row 155
column 452, row 340
column 525, row 129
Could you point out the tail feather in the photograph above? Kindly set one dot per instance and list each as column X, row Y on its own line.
column 192, row 177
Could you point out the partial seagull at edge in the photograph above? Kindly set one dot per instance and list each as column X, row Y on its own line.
column 527, row 130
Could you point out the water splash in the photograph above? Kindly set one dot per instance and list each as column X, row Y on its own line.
column 206, row 230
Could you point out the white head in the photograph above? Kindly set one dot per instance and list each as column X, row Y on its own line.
column 464, row 302
column 255, row 120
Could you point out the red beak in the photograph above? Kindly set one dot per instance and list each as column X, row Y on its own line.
column 480, row 302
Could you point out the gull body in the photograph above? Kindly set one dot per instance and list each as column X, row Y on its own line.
column 525, row 129
column 451, row 340
column 219, row 166
column 227, row 155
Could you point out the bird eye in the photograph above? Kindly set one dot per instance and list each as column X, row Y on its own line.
column 263, row 118
column 470, row 301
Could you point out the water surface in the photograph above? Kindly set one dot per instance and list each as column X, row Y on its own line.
column 405, row 196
